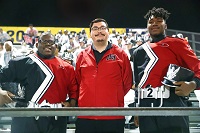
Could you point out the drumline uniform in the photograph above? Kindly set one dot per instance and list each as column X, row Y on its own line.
column 45, row 82
column 151, row 61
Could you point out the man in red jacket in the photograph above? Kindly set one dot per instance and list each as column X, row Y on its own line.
column 104, row 76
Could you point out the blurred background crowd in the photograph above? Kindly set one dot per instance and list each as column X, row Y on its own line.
column 71, row 43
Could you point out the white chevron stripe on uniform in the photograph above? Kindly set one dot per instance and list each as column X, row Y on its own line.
column 47, row 81
column 153, row 59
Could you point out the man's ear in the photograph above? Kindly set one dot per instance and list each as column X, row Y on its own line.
column 165, row 26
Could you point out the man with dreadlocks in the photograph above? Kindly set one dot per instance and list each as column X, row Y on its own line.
column 151, row 62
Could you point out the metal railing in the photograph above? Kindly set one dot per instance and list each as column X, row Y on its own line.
column 77, row 111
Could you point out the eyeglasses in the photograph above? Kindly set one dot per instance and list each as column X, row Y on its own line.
column 47, row 42
column 102, row 28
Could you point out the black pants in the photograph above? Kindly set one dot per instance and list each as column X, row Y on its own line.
column 42, row 125
column 164, row 124
column 99, row 126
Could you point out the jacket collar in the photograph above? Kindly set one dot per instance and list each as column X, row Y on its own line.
column 91, row 48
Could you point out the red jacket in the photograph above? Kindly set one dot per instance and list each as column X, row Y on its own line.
column 151, row 60
column 104, row 84
column 42, row 79
column 64, row 82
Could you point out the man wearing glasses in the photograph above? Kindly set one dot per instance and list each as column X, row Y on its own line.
column 104, row 77
column 46, row 81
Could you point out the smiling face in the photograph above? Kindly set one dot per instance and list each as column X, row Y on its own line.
column 99, row 32
column 156, row 26
column 46, row 45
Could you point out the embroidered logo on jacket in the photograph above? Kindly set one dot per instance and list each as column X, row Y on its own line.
column 164, row 45
column 111, row 57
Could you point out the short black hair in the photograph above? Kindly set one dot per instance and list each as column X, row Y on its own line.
column 157, row 12
column 96, row 21
column 46, row 34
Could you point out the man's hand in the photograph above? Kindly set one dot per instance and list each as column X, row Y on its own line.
column 5, row 97
column 72, row 103
column 184, row 88
column 65, row 104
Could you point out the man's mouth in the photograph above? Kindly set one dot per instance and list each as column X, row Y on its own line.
column 155, row 28
column 47, row 49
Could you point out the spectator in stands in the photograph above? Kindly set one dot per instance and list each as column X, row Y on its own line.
column 120, row 42
column 128, row 47
column 113, row 37
column 83, row 35
column 64, row 38
column 137, row 43
column 151, row 62
column 70, row 46
column 49, row 30
column 67, row 56
column 47, row 81
column 57, row 52
column 79, row 49
column 4, row 59
column 68, row 59
column 58, row 36
column 32, row 32
column 113, row 32
column 104, row 76
column 3, row 36
column 180, row 35
column 1, row 48
column 9, row 52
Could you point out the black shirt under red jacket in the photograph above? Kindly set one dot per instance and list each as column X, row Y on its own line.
column 42, row 79
column 151, row 60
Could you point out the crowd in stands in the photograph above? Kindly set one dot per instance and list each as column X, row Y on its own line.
column 70, row 43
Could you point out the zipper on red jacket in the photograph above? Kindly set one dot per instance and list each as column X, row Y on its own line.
column 96, row 81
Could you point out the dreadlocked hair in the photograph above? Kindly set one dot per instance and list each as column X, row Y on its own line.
column 157, row 12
